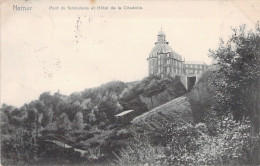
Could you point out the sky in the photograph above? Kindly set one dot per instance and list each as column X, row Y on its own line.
column 68, row 51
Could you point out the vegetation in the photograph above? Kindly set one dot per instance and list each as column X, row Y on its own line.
column 239, row 68
column 195, row 145
column 74, row 120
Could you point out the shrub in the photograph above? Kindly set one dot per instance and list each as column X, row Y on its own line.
column 231, row 144
column 140, row 153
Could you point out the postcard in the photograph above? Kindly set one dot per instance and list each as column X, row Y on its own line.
column 108, row 82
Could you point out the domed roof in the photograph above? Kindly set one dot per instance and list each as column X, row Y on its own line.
column 163, row 48
column 160, row 48
column 161, row 33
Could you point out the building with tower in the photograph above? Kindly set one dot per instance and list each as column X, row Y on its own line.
column 163, row 61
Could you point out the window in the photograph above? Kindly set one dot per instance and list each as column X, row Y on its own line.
column 168, row 70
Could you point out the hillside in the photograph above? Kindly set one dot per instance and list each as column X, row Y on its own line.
column 181, row 109
column 83, row 120
column 187, row 109
column 175, row 111
column 153, row 125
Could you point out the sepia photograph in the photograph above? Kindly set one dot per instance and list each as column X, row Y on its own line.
column 129, row 83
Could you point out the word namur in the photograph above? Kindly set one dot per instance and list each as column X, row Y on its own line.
column 21, row 8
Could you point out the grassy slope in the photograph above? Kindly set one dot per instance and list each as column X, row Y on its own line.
column 188, row 108
column 177, row 110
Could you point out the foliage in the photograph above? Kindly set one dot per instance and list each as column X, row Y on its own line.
column 181, row 144
column 140, row 152
column 78, row 123
column 239, row 67
column 195, row 145
column 81, row 113
column 151, row 87
column 233, row 144
column 201, row 97
column 20, row 147
column 63, row 123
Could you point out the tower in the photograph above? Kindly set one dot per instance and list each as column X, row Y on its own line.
column 162, row 60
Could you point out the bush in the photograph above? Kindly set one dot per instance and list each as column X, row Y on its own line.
column 19, row 147
column 140, row 153
column 231, row 144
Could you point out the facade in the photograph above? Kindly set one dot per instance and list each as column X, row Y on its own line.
column 163, row 61
column 194, row 67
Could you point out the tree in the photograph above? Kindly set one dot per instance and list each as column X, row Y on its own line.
column 78, row 122
column 34, row 118
column 154, row 87
column 47, row 117
column 4, row 123
column 63, row 123
column 47, row 98
column 239, row 69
